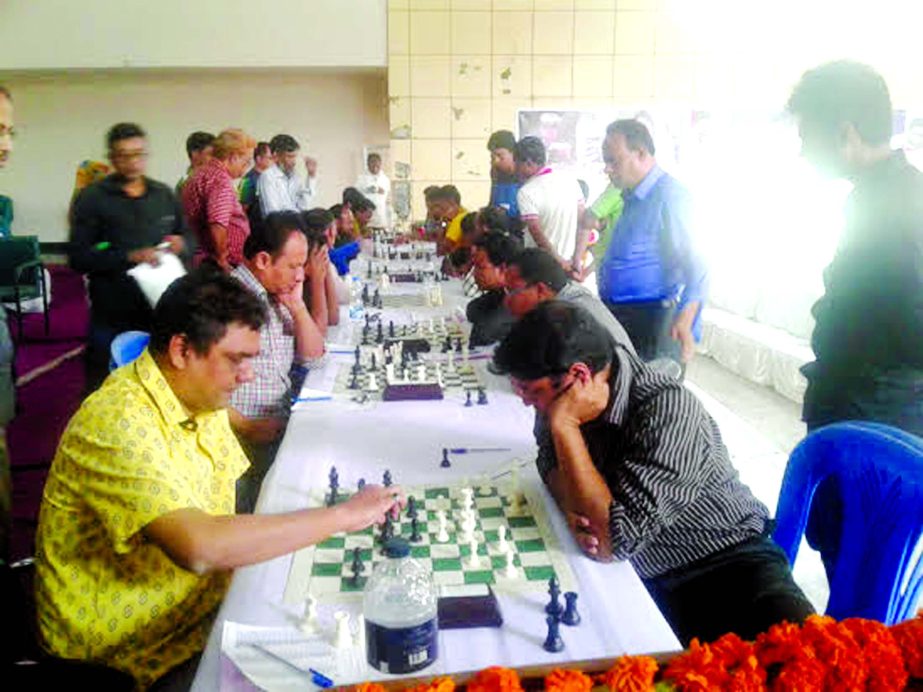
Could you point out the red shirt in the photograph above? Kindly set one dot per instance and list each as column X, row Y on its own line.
column 209, row 197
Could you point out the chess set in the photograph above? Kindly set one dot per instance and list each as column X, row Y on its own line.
column 471, row 536
column 430, row 296
column 436, row 335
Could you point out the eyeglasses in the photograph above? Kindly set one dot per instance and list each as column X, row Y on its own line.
column 7, row 131
column 129, row 155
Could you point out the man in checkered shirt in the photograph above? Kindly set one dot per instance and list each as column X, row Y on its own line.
column 273, row 269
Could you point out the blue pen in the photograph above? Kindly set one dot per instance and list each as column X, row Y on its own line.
column 471, row 450
column 320, row 679
column 317, row 677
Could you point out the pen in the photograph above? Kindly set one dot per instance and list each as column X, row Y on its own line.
column 471, row 450
column 317, row 678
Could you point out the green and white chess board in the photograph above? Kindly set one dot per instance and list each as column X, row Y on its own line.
column 324, row 571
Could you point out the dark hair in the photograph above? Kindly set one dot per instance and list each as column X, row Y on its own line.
column 121, row 131
column 261, row 149
column 429, row 191
column 374, row 156
column 494, row 219
column 844, row 92
column 197, row 141
column 502, row 139
column 317, row 219
column 459, row 257
column 637, row 136
column 446, row 193
column 469, row 224
column 529, row 150
column 336, row 210
column 5, row 92
column 273, row 234
column 201, row 305
column 584, row 188
column 536, row 266
column 501, row 248
column 283, row 144
column 549, row 339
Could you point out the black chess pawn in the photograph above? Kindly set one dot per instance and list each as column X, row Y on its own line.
column 380, row 336
column 482, row 396
column 357, row 567
column 570, row 617
column 361, row 484
column 386, row 479
column 374, row 363
column 447, row 344
column 354, row 382
column 468, row 397
column 334, row 477
column 412, row 507
column 387, row 529
column 414, row 531
column 458, row 345
column 391, row 329
column 368, row 274
column 365, row 295
column 445, row 459
column 332, row 497
column 554, row 607
column 553, row 642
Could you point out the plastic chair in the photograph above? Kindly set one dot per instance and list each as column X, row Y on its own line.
column 878, row 573
column 22, row 275
column 343, row 255
column 126, row 347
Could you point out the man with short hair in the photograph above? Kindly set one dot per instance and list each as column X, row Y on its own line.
column 122, row 221
column 444, row 204
column 211, row 204
column 376, row 186
column 280, row 188
column 651, row 277
column 639, row 470
column 246, row 189
column 490, row 319
column 321, row 221
column 199, row 151
column 868, row 332
column 137, row 536
column 550, row 202
column 504, row 185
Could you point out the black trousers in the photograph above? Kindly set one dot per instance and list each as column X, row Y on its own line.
column 648, row 324
column 744, row 589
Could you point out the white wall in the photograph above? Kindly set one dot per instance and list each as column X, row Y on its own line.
column 68, row 34
column 62, row 118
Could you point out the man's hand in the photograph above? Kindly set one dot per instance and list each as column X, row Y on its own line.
column 318, row 263
column 682, row 332
column 311, row 166
column 294, row 299
column 144, row 255
column 580, row 527
column 177, row 243
column 578, row 403
column 370, row 505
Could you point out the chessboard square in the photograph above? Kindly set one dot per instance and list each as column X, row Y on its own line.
column 419, row 551
column 349, row 586
column 499, row 561
column 328, row 555
column 490, row 512
column 531, row 546
column 359, row 541
column 479, row 577
column 446, row 564
column 527, row 534
column 325, row 585
column 543, row 573
column 433, row 493
column 333, row 542
column 492, row 524
column 443, row 550
column 485, row 501
column 451, row 578
column 490, row 534
column 326, row 569
column 536, row 559
column 521, row 522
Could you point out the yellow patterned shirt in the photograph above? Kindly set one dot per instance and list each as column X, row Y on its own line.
column 130, row 455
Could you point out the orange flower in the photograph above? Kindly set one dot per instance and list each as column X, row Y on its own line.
column 631, row 674
column 886, row 670
column 909, row 637
column 369, row 687
column 495, row 679
column 441, row 684
column 561, row 680
column 789, row 664
column 729, row 663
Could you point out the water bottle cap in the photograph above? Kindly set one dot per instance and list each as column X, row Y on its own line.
column 396, row 548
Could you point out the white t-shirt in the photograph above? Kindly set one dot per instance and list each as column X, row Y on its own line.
column 555, row 199
column 377, row 188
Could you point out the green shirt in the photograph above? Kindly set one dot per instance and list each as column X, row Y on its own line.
column 607, row 208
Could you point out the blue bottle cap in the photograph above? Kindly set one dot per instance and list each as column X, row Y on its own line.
column 396, row 547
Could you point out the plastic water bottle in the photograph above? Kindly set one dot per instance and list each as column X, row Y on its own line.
column 356, row 309
column 401, row 622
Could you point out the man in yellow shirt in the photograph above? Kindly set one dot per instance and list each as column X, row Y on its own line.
column 137, row 536
column 445, row 205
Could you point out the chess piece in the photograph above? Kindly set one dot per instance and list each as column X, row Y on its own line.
column 334, row 477
column 389, row 372
column 468, row 402
column 553, row 642
column 465, row 354
column 502, row 544
column 484, row 488
column 458, row 344
column 391, row 329
column 361, row 484
column 356, row 567
column 368, row 274
column 374, row 362
column 474, row 560
column 387, row 530
column 450, row 366
column 380, row 335
column 421, row 373
column 443, row 535
column 358, row 363
column 571, row 617
column 344, row 637
column 412, row 507
column 445, row 463
column 482, row 396
column 386, row 479
column 365, row 295
column 414, row 530
column 308, row 623
column 372, row 385
column 447, row 344
column 554, row 607
column 354, row 381
column 510, row 571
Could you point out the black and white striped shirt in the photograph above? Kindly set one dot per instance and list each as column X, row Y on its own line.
column 676, row 496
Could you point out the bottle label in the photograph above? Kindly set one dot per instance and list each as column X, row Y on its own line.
column 403, row 649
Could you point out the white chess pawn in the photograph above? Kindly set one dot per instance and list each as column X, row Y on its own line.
column 372, row 386
column 484, row 489
column 510, row 570
column 344, row 637
column 474, row 560
column 467, row 497
column 451, row 361
column 439, row 375
column 389, row 372
column 421, row 373
column 308, row 623
column 442, row 536
column 502, row 545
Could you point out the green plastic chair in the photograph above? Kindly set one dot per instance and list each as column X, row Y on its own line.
column 22, row 275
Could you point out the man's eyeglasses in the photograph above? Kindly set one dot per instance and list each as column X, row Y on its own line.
column 129, row 155
column 7, row 131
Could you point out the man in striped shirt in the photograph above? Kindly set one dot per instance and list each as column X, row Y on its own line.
column 639, row 470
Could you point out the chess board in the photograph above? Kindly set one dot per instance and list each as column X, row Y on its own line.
column 434, row 335
column 324, row 571
column 463, row 378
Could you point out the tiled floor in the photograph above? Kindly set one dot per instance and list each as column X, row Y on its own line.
column 760, row 428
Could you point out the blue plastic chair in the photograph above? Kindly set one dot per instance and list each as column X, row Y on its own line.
column 126, row 347
column 343, row 255
column 880, row 472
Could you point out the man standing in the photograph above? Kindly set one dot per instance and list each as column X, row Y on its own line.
column 246, row 189
column 124, row 220
column 211, row 203
column 199, row 151
column 651, row 277
column 868, row 332
column 639, row 470
column 137, row 536
column 550, row 203
column 376, row 186
column 504, row 185
column 279, row 187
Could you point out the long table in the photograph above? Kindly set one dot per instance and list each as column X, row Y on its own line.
column 406, row 438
